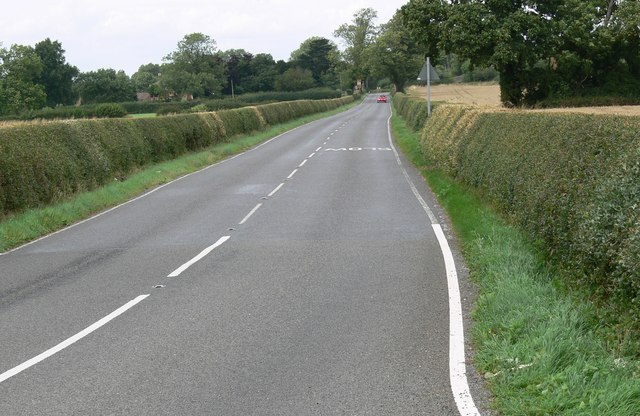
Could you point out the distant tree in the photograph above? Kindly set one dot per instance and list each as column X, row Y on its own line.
column 194, row 68
column 104, row 86
column 237, row 63
column 263, row 73
column 57, row 76
column 20, row 69
column 295, row 79
column 393, row 54
column 320, row 56
column 147, row 78
column 357, row 36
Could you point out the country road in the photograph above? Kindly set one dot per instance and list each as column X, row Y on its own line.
column 304, row 277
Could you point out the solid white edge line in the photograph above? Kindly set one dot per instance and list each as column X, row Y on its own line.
column 424, row 205
column 75, row 338
column 457, row 362
column 253, row 211
column 199, row 257
column 272, row 193
column 302, row 164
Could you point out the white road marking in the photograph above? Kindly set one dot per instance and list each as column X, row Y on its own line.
column 272, row 193
column 253, row 211
column 457, row 364
column 292, row 173
column 311, row 155
column 318, row 149
column 69, row 341
column 302, row 164
column 199, row 257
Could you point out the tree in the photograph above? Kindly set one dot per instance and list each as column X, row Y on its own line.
column 56, row 76
column 238, row 70
column 264, row 72
column 357, row 36
column 194, row 68
column 20, row 68
column 539, row 48
column 393, row 54
column 320, row 56
column 104, row 86
column 295, row 79
column 147, row 78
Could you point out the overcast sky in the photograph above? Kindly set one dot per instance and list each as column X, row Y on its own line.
column 124, row 34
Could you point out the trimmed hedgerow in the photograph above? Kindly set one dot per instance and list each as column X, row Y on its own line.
column 572, row 181
column 412, row 109
column 43, row 162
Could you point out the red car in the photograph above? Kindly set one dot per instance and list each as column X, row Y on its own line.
column 382, row 99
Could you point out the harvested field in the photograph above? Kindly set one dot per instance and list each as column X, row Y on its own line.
column 488, row 95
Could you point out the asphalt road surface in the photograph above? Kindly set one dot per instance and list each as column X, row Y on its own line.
column 300, row 278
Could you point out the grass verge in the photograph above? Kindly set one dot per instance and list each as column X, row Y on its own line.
column 537, row 344
column 29, row 225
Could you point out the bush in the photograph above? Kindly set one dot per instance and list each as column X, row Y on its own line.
column 110, row 111
column 43, row 162
column 571, row 181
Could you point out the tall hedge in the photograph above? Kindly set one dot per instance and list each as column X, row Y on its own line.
column 572, row 181
column 42, row 162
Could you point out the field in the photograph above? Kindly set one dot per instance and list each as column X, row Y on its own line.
column 488, row 95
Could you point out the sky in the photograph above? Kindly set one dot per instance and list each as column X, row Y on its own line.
column 124, row 34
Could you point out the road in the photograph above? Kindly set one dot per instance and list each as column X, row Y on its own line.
column 303, row 277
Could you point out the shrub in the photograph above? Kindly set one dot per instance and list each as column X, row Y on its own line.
column 571, row 181
column 110, row 111
column 42, row 162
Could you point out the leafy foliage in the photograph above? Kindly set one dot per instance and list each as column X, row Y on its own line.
column 57, row 76
column 193, row 69
column 571, row 181
column 43, row 162
column 540, row 49
column 104, row 86
column 20, row 68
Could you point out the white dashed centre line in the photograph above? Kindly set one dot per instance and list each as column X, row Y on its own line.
column 292, row 173
column 303, row 162
column 253, row 211
column 276, row 190
column 69, row 341
column 199, row 257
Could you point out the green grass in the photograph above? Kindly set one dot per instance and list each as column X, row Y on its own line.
column 29, row 225
column 142, row 115
column 539, row 346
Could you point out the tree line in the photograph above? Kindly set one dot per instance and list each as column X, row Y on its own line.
column 538, row 50
column 541, row 49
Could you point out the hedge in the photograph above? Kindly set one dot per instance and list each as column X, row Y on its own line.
column 571, row 181
column 414, row 110
column 42, row 162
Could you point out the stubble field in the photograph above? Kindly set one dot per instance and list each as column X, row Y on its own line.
column 488, row 95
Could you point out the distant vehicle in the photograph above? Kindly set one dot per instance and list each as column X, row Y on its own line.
column 382, row 99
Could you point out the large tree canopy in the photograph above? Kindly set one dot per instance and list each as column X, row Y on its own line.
column 57, row 76
column 194, row 68
column 20, row 69
column 320, row 56
column 394, row 54
column 557, row 47
column 104, row 86
column 357, row 36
